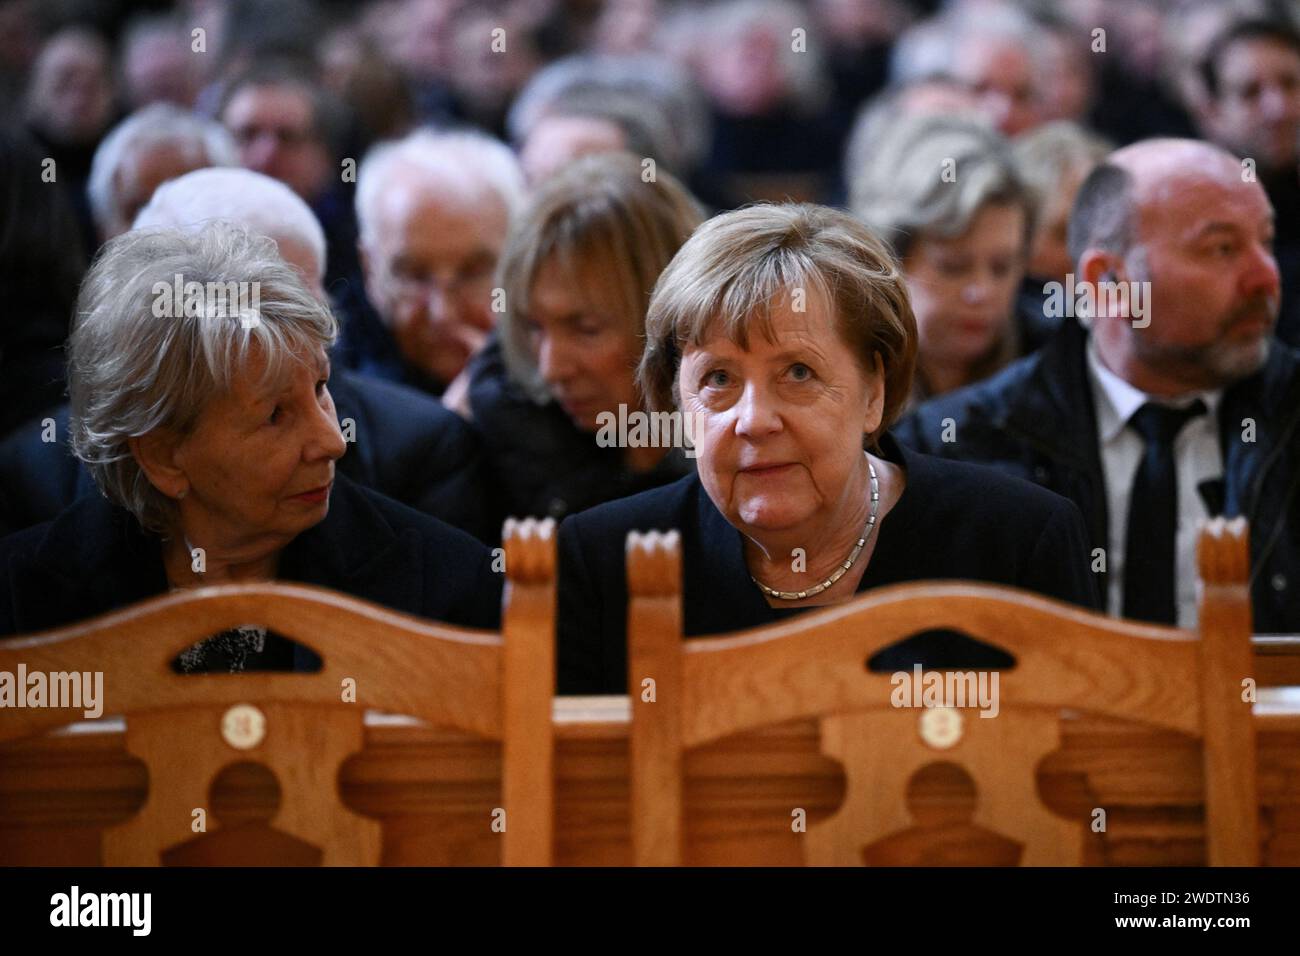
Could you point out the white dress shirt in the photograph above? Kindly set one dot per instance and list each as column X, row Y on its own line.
column 1197, row 458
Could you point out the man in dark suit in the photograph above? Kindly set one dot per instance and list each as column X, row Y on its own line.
column 1172, row 402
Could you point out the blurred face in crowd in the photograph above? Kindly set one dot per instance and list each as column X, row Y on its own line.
column 963, row 289
column 937, row 97
column 556, row 141
column 145, row 170
column 1049, row 257
column 1257, row 111
column 258, row 466
column 585, row 347
column 488, row 75
column 276, row 134
column 71, row 93
column 416, row 34
column 1001, row 74
column 780, row 425
column 1068, row 90
column 744, row 74
column 430, row 269
column 856, row 22
column 158, row 66
column 1205, row 245
column 626, row 26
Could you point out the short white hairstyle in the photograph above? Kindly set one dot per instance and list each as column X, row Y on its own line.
column 462, row 160
column 206, row 141
column 931, row 47
column 260, row 204
column 131, row 371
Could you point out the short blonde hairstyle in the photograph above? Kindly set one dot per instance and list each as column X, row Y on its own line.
column 130, row 371
column 599, row 216
column 459, row 160
column 728, row 276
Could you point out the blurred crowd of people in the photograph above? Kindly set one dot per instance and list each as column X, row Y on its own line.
column 485, row 194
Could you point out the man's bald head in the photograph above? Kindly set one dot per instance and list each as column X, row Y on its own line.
column 1149, row 173
column 1177, row 226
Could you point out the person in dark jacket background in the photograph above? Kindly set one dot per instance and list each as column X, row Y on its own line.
column 786, row 331
column 547, row 397
column 210, row 430
column 1172, row 221
column 41, row 265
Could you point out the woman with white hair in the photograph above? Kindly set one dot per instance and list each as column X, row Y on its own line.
column 198, row 375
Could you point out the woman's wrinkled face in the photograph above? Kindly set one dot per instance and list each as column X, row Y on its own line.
column 779, row 427
column 963, row 289
column 585, row 351
column 260, row 460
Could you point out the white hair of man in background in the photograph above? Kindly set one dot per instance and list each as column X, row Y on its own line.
column 260, row 204
column 149, row 147
column 999, row 52
column 433, row 211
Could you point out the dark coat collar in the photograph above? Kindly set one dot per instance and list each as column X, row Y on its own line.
column 95, row 557
column 725, row 599
column 1271, row 400
column 1053, row 405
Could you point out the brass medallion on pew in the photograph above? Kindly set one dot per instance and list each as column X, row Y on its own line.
column 941, row 727
column 243, row 726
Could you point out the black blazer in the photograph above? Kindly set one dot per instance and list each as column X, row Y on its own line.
column 540, row 463
column 95, row 557
column 953, row 521
column 1035, row 420
column 408, row 446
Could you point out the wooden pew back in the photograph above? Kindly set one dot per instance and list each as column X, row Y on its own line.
column 188, row 728
column 690, row 693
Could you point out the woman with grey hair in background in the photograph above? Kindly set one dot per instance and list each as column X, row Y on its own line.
column 948, row 196
column 198, row 375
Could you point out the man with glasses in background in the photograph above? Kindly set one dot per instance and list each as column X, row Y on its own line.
column 433, row 210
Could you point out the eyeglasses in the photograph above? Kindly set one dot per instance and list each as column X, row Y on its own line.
column 284, row 136
column 464, row 283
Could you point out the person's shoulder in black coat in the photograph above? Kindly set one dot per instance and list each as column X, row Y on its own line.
column 414, row 449
column 403, row 443
column 94, row 558
column 954, row 521
column 540, row 463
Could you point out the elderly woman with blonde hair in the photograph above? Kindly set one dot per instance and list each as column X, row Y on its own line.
column 786, row 333
column 205, row 419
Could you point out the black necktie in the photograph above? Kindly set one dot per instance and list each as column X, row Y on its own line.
column 1149, row 558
